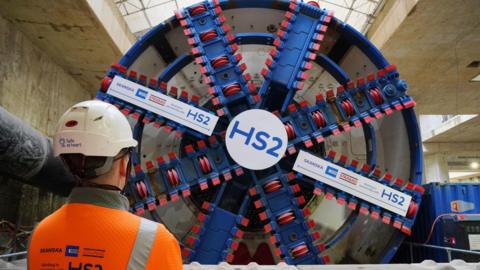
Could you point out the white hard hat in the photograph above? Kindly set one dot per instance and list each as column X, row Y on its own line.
column 93, row 128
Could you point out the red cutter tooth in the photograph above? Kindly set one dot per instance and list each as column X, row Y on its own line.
column 243, row 67
column 329, row 196
column 319, row 98
column 120, row 68
column 174, row 197
column 301, row 200
column 308, row 143
column 390, row 68
column 354, row 163
column 285, row 24
column 398, row 106
column 262, row 216
column 273, row 239
column 186, row 252
column 397, row 224
column 323, row 29
column 292, row 5
column 380, row 73
column 419, row 188
column 258, row 204
column 244, row 222
column 149, row 165
column 234, row 245
column 406, row 230
column 388, row 111
column 326, row 259
column 352, row 205
column 375, row 215
column 203, row 185
column 386, row 219
column 215, row 181
column 196, row 229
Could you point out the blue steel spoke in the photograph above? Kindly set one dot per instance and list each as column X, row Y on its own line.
column 215, row 50
column 285, row 219
column 298, row 39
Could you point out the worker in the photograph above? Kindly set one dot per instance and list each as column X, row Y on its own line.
column 94, row 230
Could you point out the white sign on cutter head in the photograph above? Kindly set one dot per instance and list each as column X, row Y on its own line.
column 352, row 183
column 163, row 105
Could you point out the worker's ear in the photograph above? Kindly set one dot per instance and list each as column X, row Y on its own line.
column 123, row 165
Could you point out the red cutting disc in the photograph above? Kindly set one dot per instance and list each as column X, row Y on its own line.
column 272, row 186
column 319, row 119
column 208, row 35
column 231, row 89
column 290, row 131
column 197, row 10
column 220, row 62
column 376, row 96
column 299, row 250
column 285, row 218
column 173, row 177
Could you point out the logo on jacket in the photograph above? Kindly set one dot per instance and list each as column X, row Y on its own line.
column 50, row 250
column 72, row 251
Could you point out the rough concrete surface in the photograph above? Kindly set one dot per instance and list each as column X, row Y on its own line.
column 36, row 89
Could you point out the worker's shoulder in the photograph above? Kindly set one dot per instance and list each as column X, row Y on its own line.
column 156, row 229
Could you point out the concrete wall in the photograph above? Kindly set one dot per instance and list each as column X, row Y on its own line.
column 37, row 90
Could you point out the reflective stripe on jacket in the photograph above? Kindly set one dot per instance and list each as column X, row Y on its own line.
column 94, row 230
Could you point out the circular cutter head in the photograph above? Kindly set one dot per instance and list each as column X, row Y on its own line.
column 186, row 82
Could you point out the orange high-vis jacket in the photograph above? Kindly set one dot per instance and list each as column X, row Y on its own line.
column 95, row 231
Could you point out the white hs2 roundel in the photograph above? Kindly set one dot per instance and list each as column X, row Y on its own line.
column 256, row 139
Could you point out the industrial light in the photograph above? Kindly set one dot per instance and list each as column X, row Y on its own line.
column 476, row 78
column 474, row 165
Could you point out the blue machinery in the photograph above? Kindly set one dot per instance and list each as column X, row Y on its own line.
column 188, row 181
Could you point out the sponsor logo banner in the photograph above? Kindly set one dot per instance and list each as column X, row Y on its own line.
column 163, row 105
column 352, row 183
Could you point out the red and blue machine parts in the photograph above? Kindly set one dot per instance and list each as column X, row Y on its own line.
column 277, row 193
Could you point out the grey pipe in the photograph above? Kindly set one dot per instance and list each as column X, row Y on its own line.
column 27, row 155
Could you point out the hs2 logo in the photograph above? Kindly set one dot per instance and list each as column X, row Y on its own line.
column 259, row 140
column 198, row 117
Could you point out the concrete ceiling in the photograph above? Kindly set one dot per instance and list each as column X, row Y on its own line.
column 69, row 31
column 466, row 132
column 432, row 48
